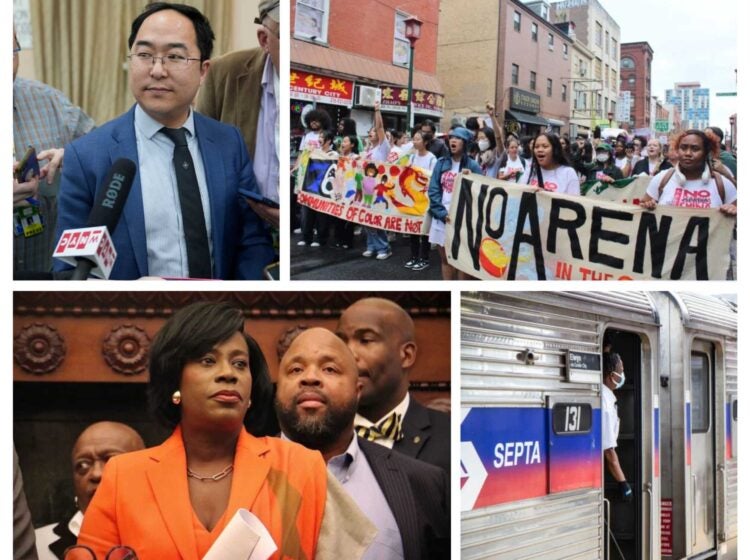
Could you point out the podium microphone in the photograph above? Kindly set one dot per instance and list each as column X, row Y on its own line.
column 91, row 247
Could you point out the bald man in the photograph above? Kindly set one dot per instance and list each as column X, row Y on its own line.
column 317, row 393
column 380, row 335
column 94, row 447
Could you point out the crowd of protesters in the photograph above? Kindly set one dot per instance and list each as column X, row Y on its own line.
column 694, row 160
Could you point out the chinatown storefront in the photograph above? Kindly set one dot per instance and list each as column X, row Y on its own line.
column 346, row 98
column 521, row 115
column 345, row 85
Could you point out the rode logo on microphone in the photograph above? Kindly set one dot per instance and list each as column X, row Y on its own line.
column 113, row 190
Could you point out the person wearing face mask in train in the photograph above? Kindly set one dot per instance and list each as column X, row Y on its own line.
column 613, row 378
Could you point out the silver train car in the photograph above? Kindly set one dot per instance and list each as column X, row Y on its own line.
column 533, row 483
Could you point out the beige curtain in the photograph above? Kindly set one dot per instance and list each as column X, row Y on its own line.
column 80, row 48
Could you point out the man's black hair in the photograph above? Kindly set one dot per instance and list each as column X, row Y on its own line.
column 203, row 33
column 609, row 362
column 428, row 122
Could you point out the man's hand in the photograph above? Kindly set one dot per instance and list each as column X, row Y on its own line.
column 270, row 215
column 55, row 157
column 22, row 191
column 376, row 106
column 648, row 204
column 626, row 493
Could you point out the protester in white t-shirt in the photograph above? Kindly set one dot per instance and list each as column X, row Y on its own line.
column 621, row 158
column 377, row 239
column 424, row 160
column 557, row 174
column 693, row 183
column 513, row 165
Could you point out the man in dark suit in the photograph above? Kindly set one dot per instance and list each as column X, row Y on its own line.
column 316, row 399
column 185, row 215
column 97, row 444
column 380, row 334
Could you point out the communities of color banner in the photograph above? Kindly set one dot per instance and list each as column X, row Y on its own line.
column 380, row 195
column 502, row 231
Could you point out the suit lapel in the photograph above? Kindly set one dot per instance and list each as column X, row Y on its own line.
column 133, row 217
column 66, row 539
column 250, row 473
column 416, row 427
column 167, row 475
column 216, row 181
column 398, row 493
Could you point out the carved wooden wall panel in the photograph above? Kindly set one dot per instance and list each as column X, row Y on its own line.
column 105, row 336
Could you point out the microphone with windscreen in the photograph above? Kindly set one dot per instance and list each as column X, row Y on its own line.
column 91, row 249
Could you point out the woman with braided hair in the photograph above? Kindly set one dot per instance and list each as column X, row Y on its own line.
column 694, row 182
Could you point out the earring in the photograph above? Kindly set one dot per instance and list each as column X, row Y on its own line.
column 176, row 397
column 75, row 501
column 249, row 402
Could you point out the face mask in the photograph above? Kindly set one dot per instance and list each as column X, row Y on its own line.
column 483, row 145
column 602, row 157
column 622, row 380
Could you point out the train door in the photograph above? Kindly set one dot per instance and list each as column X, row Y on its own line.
column 701, row 448
column 625, row 531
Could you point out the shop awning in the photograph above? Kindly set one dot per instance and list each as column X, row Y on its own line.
column 526, row 118
column 352, row 66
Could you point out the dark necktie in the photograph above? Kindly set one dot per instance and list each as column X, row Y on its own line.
column 193, row 220
column 388, row 428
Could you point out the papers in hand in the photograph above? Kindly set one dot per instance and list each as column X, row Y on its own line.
column 244, row 538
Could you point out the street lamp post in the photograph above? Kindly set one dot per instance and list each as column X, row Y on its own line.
column 412, row 32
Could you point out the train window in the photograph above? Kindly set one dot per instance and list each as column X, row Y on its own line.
column 700, row 393
column 571, row 418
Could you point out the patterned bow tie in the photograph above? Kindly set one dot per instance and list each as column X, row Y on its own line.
column 388, row 428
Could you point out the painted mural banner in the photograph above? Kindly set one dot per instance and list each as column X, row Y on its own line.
column 502, row 231
column 382, row 195
column 626, row 191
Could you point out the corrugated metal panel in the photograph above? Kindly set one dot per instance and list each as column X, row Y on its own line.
column 707, row 313
column 732, row 466
column 557, row 527
column 495, row 330
column 637, row 307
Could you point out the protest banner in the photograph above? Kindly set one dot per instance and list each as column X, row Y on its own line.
column 375, row 194
column 502, row 231
column 630, row 190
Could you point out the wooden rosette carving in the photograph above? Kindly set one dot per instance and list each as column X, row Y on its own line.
column 126, row 349
column 39, row 348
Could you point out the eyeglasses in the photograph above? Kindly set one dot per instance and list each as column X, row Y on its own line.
column 83, row 552
column 170, row 61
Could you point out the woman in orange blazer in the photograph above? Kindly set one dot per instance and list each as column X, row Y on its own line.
column 172, row 501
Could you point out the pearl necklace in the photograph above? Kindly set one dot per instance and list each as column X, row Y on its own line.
column 217, row 477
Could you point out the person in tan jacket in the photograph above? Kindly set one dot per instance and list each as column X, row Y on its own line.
column 242, row 89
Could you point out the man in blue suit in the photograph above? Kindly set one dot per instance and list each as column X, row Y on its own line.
column 210, row 232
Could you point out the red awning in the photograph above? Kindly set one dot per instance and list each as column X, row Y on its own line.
column 313, row 57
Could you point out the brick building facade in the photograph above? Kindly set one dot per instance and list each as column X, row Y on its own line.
column 635, row 77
